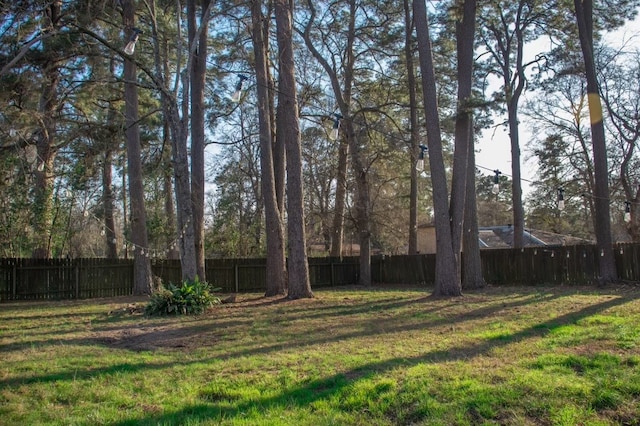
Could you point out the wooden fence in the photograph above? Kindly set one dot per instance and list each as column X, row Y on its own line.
column 32, row 279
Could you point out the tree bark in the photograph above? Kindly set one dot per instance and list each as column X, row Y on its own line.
column 465, row 32
column 180, row 158
column 276, row 262
column 472, row 277
column 606, row 260
column 466, row 220
column 447, row 282
column 141, row 265
column 516, row 177
column 45, row 145
column 108, row 205
column 198, row 74
column 415, row 131
column 289, row 130
column 337, row 226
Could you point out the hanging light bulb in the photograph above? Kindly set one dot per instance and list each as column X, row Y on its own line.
column 131, row 45
column 420, row 162
column 237, row 94
column 627, row 211
column 41, row 166
column 335, row 131
column 560, row 199
column 496, row 182
column 13, row 132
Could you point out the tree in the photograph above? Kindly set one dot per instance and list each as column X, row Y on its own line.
column 463, row 208
column 621, row 97
column 289, row 130
column 198, row 73
column 344, row 59
column 49, row 105
column 507, row 27
column 464, row 13
column 276, row 263
column 413, row 127
column 606, row 261
column 142, row 266
column 557, row 175
column 178, row 125
column 447, row 277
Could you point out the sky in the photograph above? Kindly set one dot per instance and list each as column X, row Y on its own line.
column 493, row 151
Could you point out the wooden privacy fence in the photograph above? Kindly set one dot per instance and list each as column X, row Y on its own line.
column 248, row 275
column 32, row 279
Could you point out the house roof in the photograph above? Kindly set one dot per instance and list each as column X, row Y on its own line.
column 502, row 237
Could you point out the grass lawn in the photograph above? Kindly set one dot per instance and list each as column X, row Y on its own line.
column 352, row 356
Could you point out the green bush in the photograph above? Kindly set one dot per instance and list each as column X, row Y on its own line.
column 190, row 298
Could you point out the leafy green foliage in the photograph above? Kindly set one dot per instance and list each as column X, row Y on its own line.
column 190, row 298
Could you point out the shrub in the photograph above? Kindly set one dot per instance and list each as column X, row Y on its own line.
column 190, row 298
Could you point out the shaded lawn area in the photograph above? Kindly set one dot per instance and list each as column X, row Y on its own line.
column 351, row 356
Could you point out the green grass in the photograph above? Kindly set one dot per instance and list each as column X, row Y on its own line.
column 521, row 356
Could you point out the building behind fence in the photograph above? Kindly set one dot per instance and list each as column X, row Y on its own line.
column 33, row 279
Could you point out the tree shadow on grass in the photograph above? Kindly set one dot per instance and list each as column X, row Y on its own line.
column 182, row 334
column 221, row 405
column 209, row 331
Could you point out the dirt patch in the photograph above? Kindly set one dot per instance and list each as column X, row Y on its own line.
column 125, row 326
column 146, row 338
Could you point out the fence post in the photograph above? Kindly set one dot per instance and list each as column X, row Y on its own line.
column 77, row 278
column 236, row 277
column 333, row 278
column 14, row 279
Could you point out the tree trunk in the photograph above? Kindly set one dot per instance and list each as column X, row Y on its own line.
column 415, row 131
column 178, row 131
column 337, row 227
column 465, row 32
column 108, row 205
column 141, row 265
column 45, row 145
column 447, row 282
column 289, row 130
column 198, row 73
column 516, row 176
column 362, row 203
column 167, row 174
column 606, row 260
column 471, row 263
column 170, row 214
column 186, row 236
column 109, row 198
column 276, row 262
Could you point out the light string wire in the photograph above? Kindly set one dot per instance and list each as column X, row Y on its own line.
column 388, row 135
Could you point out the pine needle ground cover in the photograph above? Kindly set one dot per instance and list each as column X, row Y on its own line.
column 353, row 356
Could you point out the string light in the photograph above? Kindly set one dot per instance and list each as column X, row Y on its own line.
column 560, row 199
column 335, row 131
column 496, row 182
column 131, row 45
column 420, row 162
column 237, row 94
